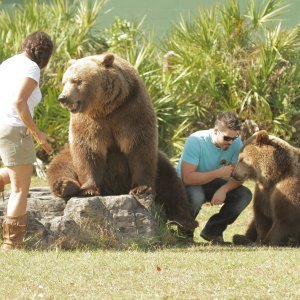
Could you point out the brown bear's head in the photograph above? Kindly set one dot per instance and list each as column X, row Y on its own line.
column 264, row 158
column 97, row 84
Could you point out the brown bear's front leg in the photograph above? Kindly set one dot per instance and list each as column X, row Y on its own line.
column 90, row 169
column 251, row 232
column 143, row 171
column 277, row 236
column 262, row 213
column 263, row 225
column 249, row 238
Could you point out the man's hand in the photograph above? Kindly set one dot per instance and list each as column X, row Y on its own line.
column 225, row 171
column 218, row 197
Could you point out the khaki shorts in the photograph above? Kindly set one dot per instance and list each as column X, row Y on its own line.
column 16, row 146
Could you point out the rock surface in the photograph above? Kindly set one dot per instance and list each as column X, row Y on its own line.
column 111, row 221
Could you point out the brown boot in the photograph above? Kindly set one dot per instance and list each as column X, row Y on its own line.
column 1, row 184
column 13, row 232
column 2, row 187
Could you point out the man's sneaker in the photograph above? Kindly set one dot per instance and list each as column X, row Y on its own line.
column 214, row 239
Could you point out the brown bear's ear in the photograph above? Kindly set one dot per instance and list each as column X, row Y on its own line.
column 71, row 62
column 262, row 138
column 108, row 60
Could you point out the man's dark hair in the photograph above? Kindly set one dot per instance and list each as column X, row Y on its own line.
column 38, row 46
column 228, row 119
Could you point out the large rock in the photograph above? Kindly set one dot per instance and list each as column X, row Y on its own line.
column 114, row 220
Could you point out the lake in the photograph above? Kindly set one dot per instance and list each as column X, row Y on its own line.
column 161, row 14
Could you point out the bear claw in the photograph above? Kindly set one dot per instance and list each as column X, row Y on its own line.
column 66, row 188
column 142, row 189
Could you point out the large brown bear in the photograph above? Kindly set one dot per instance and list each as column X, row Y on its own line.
column 113, row 139
column 275, row 166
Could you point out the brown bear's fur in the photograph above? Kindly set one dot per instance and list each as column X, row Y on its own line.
column 275, row 166
column 248, row 128
column 113, row 138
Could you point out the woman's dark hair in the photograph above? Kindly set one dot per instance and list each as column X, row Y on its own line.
column 228, row 119
column 38, row 46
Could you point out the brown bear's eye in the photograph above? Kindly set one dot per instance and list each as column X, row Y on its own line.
column 76, row 81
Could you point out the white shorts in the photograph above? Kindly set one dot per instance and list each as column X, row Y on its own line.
column 16, row 146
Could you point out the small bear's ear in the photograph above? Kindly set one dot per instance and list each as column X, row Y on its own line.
column 108, row 60
column 262, row 138
column 71, row 62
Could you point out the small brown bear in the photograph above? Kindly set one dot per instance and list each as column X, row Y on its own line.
column 275, row 166
column 113, row 145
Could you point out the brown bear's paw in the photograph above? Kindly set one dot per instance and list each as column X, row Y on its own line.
column 186, row 234
column 88, row 190
column 142, row 189
column 239, row 239
column 66, row 188
column 293, row 242
column 187, row 225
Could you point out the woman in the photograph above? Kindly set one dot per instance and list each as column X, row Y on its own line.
column 19, row 94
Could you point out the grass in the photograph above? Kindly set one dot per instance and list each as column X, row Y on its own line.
column 194, row 272
column 191, row 271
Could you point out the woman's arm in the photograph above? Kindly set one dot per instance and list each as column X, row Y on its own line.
column 27, row 87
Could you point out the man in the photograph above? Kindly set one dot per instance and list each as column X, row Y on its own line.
column 205, row 167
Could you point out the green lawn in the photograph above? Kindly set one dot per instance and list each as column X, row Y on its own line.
column 194, row 271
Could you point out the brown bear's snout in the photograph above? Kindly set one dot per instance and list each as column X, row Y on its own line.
column 235, row 176
column 62, row 99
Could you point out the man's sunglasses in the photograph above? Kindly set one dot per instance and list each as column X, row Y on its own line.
column 228, row 138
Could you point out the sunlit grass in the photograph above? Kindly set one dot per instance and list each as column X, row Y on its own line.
column 183, row 271
column 193, row 272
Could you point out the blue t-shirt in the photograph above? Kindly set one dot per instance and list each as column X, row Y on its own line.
column 200, row 150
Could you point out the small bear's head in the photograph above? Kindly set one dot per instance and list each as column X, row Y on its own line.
column 264, row 158
column 96, row 84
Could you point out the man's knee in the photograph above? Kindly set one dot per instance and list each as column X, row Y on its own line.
column 196, row 197
column 245, row 194
column 195, row 193
column 242, row 197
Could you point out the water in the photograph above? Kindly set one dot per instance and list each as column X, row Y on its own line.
column 161, row 14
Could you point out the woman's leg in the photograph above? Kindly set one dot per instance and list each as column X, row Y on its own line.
column 4, row 178
column 20, row 178
column 14, row 224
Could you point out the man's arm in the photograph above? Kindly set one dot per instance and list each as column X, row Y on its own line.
column 190, row 176
column 220, row 195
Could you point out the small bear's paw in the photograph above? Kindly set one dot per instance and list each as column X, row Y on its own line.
column 66, row 188
column 239, row 239
column 141, row 189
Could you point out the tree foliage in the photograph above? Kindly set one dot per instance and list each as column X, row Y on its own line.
column 231, row 60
